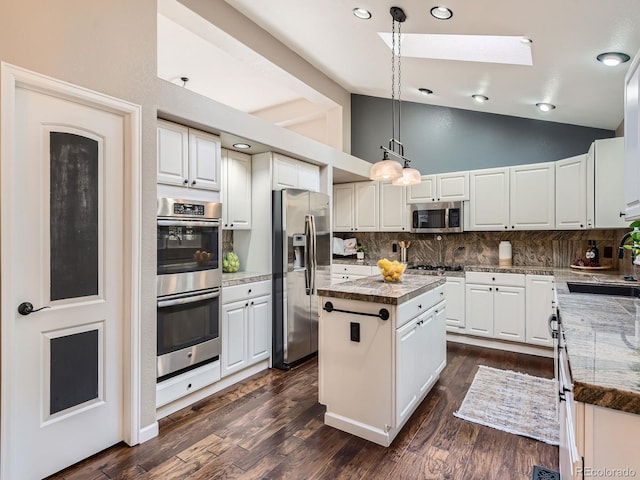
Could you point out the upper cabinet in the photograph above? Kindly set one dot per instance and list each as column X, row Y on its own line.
column 236, row 190
column 518, row 198
column 394, row 211
column 605, row 161
column 446, row 187
column 632, row 141
column 292, row 173
column 489, row 199
column 571, row 193
column 532, row 197
column 355, row 207
column 188, row 157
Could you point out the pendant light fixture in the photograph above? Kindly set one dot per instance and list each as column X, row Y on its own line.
column 386, row 169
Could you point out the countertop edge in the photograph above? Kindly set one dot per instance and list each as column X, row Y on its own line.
column 608, row 397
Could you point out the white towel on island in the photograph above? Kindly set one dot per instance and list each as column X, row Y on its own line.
column 350, row 245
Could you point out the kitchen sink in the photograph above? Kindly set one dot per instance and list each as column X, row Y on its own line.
column 602, row 289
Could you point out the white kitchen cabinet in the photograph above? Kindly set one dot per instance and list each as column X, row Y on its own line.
column 188, row 157
column 292, row 173
column 632, row 140
column 495, row 305
column 341, row 272
column 246, row 326
column 489, row 199
column 363, row 216
column 454, row 292
column 394, row 211
column 445, row 187
column 343, row 207
column 236, row 190
column 532, row 197
column 605, row 160
column 539, row 307
column 571, row 193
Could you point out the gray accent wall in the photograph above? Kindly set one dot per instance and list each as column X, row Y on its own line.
column 441, row 139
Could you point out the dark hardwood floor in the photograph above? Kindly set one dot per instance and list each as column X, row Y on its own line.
column 271, row 426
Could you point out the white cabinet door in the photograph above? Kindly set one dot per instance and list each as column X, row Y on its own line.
column 423, row 192
column 394, row 214
column 539, row 306
column 489, row 199
column 609, row 177
column 532, row 197
column 509, row 313
column 259, row 329
column 455, row 311
column 438, row 336
column 285, row 172
column 452, row 187
column 632, row 141
column 204, row 161
column 479, row 310
column 426, row 354
column 173, row 153
column 308, row 177
column 407, row 350
column 366, row 206
column 234, row 337
column 236, row 190
column 343, row 207
column 571, row 193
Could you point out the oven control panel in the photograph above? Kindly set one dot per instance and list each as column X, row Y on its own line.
column 188, row 209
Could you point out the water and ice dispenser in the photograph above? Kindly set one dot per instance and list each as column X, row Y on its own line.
column 299, row 245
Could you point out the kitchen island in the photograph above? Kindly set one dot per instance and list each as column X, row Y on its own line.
column 381, row 348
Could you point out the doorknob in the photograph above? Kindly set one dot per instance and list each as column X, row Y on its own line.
column 25, row 308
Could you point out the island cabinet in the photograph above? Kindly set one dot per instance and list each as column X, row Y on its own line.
column 381, row 348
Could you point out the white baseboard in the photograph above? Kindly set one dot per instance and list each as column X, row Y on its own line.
column 499, row 345
column 148, row 432
column 198, row 395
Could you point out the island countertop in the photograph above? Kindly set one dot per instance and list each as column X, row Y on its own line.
column 374, row 289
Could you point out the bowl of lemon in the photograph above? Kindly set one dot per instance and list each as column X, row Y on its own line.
column 391, row 270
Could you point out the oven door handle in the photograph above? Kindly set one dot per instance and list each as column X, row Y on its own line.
column 188, row 223
column 190, row 299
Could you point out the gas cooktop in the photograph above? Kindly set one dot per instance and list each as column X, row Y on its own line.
column 446, row 268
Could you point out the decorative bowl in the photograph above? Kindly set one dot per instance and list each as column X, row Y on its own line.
column 391, row 271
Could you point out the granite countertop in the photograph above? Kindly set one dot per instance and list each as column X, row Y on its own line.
column 239, row 278
column 602, row 341
column 374, row 289
column 523, row 269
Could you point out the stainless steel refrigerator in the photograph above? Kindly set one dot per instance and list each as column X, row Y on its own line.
column 301, row 265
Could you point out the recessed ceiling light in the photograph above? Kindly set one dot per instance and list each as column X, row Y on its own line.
column 526, row 40
column 480, row 98
column 425, row 91
column 242, row 146
column 611, row 59
column 545, row 107
column 441, row 13
column 362, row 13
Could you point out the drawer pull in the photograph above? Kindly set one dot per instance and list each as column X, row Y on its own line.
column 383, row 313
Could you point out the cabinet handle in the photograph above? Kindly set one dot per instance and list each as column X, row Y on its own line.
column 185, row 181
column 232, row 224
column 420, row 306
column 506, row 226
column 493, row 278
column 442, row 294
column 581, row 225
column 622, row 214
column 249, row 290
column 226, row 225
column 246, row 304
column 490, row 289
column 193, row 183
column 496, row 289
column 513, row 226
column 251, row 303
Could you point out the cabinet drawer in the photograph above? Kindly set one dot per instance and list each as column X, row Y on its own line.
column 244, row 291
column 186, row 383
column 342, row 269
column 418, row 305
column 489, row 278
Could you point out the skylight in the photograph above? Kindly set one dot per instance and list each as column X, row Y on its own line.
column 468, row 48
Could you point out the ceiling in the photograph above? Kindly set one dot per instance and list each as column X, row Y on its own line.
column 567, row 36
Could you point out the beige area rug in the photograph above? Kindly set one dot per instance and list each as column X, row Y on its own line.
column 513, row 402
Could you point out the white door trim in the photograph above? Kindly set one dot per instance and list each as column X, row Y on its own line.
column 10, row 78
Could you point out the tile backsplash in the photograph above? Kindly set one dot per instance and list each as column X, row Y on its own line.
column 529, row 248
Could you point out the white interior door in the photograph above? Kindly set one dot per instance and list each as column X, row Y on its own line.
column 64, row 394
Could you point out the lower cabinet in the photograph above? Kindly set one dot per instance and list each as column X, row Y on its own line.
column 539, row 309
column 343, row 273
column 246, row 326
column 454, row 292
column 495, row 305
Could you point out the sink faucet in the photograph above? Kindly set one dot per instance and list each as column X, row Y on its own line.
column 621, row 248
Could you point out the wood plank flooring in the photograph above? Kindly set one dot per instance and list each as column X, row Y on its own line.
column 270, row 426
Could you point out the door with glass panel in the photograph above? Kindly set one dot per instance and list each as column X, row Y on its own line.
column 66, row 235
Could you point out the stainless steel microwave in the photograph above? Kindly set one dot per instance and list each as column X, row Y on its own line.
column 437, row 217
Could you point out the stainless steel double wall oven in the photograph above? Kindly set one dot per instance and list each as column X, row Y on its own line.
column 189, row 284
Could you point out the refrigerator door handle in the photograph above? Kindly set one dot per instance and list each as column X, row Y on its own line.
column 314, row 260
column 307, row 255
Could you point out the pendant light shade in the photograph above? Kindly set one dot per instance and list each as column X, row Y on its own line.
column 410, row 176
column 387, row 169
